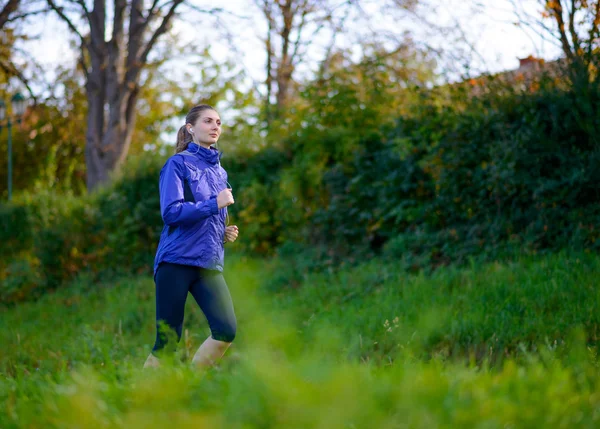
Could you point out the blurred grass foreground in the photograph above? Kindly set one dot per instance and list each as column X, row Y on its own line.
column 489, row 346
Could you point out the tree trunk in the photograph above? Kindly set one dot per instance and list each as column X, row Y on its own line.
column 285, row 67
column 112, row 69
column 107, row 146
column 284, row 19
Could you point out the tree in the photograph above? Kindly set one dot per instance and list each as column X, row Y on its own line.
column 113, row 70
column 286, row 21
column 573, row 25
column 295, row 27
column 12, row 12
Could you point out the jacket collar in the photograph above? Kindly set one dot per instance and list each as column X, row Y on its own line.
column 211, row 156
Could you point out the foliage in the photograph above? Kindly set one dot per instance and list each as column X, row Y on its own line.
column 48, row 142
column 101, row 235
column 454, row 179
column 451, row 176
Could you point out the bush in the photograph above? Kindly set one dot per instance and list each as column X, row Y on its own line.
column 113, row 231
column 479, row 175
column 15, row 228
column 21, row 279
column 129, row 217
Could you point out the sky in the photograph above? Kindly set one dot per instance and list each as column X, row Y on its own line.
column 487, row 24
column 490, row 27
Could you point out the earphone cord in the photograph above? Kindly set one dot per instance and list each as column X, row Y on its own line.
column 227, row 212
column 228, row 184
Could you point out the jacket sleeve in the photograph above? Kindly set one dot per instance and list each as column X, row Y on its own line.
column 174, row 209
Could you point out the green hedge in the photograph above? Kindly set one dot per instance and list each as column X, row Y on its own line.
column 516, row 170
column 452, row 177
column 112, row 232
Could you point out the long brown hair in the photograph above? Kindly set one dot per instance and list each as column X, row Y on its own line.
column 183, row 135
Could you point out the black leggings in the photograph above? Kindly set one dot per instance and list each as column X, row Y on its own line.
column 208, row 287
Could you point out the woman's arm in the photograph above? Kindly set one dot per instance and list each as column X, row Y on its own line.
column 174, row 209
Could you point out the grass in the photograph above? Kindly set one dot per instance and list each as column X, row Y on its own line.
column 492, row 346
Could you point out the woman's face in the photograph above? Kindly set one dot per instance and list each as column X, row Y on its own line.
column 207, row 128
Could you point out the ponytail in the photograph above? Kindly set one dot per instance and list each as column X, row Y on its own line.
column 183, row 139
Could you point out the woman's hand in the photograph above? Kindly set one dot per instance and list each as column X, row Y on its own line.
column 231, row 233
column 225, row 198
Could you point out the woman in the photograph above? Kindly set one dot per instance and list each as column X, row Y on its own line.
column 194, row 196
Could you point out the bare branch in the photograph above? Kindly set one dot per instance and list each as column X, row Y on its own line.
column 324, row 65
column 152, row 10
column 10, row 7
column 10, row 70
column 83, row 65
column 270, row 55
column 86, row 11
column 594, row 29
column 574, row 36
column 526, row 20
column 83, row 6
column 557, row 11
column 135, row 62
column 160, row 30
column 27, row 14
column 217, row 10
column 59, row 11
column 300, row 27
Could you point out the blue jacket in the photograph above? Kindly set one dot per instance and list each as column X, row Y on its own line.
column 194, row 227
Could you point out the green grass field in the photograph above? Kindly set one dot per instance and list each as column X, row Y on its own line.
column 504, row 345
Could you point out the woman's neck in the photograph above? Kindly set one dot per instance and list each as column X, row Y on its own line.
column 204, row 145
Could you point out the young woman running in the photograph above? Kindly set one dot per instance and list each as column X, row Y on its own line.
column 194, row 195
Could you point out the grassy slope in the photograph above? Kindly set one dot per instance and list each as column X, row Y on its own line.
column 370, row 347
